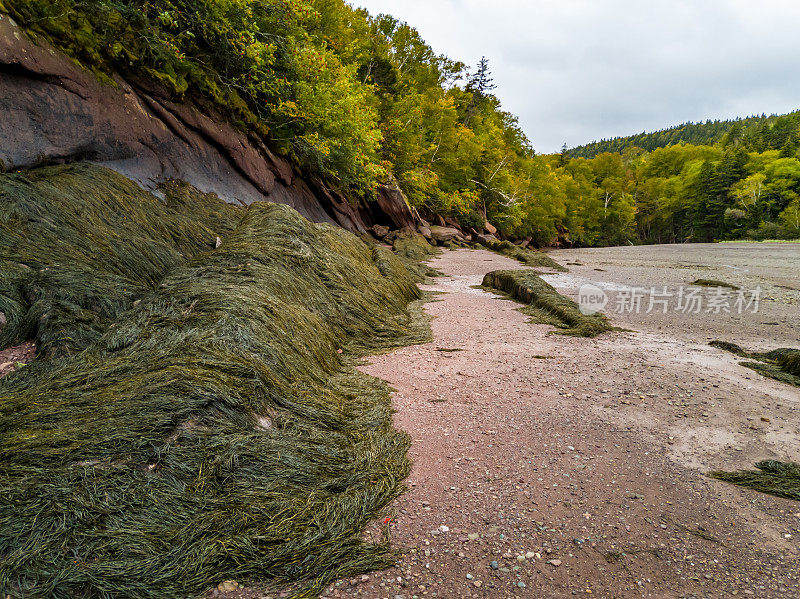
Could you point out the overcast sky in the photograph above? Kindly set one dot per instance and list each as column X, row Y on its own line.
column 575, row 71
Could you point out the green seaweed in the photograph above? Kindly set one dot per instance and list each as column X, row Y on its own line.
column 211, row 424
column 546, row 305
column 413, row 250
column 526, row 256
column 713, row 283
column 782, row 364
column 772, row 477
column 80, row 243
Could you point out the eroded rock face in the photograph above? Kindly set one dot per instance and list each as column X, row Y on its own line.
column 52, row 111
column 394, row 205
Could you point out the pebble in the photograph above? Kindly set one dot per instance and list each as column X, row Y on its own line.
column 494, row 565
column 555, row 562
column 470, row 577
column 228, row 585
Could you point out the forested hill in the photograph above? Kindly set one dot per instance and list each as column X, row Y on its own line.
column 757, row 133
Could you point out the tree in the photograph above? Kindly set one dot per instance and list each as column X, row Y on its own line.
column 479, row 85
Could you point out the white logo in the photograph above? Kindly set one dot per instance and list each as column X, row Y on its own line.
column 591, row 299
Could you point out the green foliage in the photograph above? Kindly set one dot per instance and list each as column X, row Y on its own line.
column 254, row 60
column 210, row 428
column 472, row 218
column 356, row 100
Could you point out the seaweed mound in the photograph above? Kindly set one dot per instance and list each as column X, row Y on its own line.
column 713, row 283
column 214, row 425
column 545, row 304
column 413, row 250
column 80, row 243
column 782, row 364
column 524, row 255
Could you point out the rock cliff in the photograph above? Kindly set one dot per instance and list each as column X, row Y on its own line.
column 53, row 111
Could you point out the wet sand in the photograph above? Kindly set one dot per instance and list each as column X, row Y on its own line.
column 550, row 466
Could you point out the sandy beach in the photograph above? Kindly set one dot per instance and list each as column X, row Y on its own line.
column 552, row 466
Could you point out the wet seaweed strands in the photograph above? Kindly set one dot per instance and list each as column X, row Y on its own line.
column 210, row 423
column 782, row 364
column 526, row 256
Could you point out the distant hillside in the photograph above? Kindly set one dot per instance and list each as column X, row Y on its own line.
column 758, row 133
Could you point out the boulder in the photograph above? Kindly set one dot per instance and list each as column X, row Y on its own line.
column 425, row 231
column 490, row 228
column 379, row 231
column 449, row 221
column 442, row 234
column 485, row 239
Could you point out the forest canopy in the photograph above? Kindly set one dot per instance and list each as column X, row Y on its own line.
column 359, row 99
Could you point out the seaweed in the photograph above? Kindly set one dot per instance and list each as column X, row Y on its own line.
column 713, row 283
column 772, row 477
column 526, row 256
column 782, row 364
column 545, row 304
column 211, row 423
column 80, row 243
column 413, row 250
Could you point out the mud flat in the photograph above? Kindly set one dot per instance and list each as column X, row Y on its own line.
column 553, row 466
column 770, row 270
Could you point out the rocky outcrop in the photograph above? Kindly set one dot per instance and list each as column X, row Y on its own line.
column 395, row 207
column 53, row 111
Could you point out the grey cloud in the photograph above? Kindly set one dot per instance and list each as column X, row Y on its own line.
column 579, row 70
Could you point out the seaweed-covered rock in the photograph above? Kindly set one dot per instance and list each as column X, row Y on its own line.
column 545, row 304
column 524, row 255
